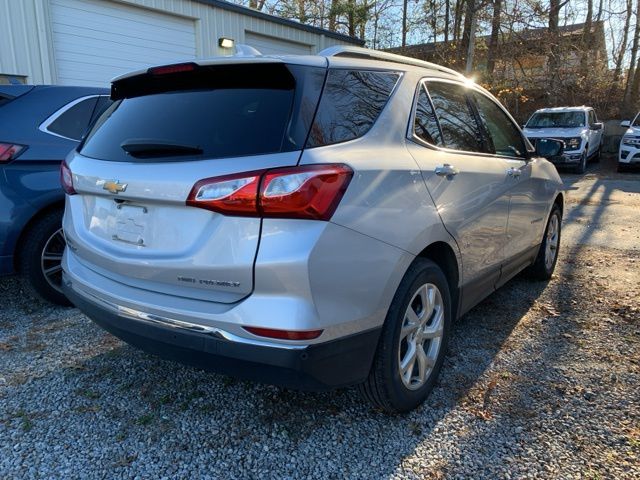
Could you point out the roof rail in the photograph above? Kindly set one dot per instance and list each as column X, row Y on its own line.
column 367, row 53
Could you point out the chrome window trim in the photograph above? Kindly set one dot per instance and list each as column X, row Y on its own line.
column 44, row 126
column 415, row 139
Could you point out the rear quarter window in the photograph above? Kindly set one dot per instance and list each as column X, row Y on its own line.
column 73, row 123
column 351, row 102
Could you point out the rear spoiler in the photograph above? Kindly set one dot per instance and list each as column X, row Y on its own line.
column 192, row 76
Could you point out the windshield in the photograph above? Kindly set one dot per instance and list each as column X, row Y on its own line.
column 556, row 120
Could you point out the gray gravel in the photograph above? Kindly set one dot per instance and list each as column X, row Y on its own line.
column 541, row 382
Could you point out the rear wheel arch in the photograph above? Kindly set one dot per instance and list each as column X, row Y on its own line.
column 33, row 221
column 443, row 255
column 559, row 201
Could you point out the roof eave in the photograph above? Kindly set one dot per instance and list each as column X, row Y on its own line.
column 232, row 7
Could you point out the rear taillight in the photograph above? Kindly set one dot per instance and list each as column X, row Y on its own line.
column 230, row 195
column 309, row 191
column 10, row 151
column 66, row 179
column 284, row 334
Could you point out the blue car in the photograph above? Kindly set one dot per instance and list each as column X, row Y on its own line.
column 39, row 126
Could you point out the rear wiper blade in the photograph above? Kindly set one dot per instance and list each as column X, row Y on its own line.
column 143, row 147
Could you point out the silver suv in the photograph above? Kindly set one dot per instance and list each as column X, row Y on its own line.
column 308, row 221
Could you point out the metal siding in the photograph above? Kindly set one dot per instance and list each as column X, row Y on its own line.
column 26, row 32
column 24, row 45
column 268, row 45
column 96, row 40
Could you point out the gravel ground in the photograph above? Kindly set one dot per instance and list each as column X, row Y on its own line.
column 542, row 381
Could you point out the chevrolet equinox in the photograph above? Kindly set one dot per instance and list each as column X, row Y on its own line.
column 308, row 221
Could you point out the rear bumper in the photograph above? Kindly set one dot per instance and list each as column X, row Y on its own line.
column 321, row 366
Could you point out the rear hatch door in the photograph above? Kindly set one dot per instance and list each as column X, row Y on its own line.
column 165, row 132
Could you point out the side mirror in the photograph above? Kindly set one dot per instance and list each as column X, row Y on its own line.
column 597, row 126
column 549, row 147
column 625, row 124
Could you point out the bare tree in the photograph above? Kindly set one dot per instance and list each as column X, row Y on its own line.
column 634, row 53
column 622, row 49
column 447, row 15
column 404, row 22
column 466, row 48
column 457, row 21
column 493, row 39
column 586, row 36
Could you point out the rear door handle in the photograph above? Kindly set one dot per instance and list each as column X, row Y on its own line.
column 514, row 172
column 446, row 170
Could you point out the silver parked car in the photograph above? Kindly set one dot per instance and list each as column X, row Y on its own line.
column 308, row 221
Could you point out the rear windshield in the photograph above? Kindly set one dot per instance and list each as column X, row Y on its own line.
column 556, row 120
column 213, row 113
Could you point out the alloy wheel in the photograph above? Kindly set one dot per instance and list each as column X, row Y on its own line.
column 51, row 259
column 551, row 249
column 421, row 336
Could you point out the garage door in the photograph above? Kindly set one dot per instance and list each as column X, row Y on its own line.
column 96, row 40
column 275, row 46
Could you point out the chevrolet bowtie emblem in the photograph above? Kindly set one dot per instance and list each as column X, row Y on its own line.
column 114, row 186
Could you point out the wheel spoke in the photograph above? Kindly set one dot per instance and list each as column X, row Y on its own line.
column 435, row 329
column 411, row 323
column 52, row 270
column 54, row 257
column 424, row 363
column 427, row 296
column 409, row 359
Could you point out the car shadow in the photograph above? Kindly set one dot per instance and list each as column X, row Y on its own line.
column 124, row 400
column 141, row 399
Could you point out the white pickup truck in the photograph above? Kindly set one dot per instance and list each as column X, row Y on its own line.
column 577, row 127
column 629, row 153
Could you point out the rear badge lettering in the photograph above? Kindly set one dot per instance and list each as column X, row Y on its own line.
column 212, row 283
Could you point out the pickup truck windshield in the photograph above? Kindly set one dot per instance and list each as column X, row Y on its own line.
column 556, row 120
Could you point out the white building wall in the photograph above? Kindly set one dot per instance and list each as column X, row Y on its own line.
column 26, row 45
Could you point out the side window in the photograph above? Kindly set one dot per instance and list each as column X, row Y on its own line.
column 101, row 105
column 74, row 121
column 592, row 117
column 425, row 124
column 350, row 104
column 457, row 121
column 503, row 133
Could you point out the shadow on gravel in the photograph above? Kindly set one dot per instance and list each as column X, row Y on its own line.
column 125, row 408
column 123, row 412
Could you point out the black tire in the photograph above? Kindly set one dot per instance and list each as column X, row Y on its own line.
column 384, row 388
column 598, row 156
column 44, row 233
column 582, row 166
column 622, row 168
column 541, row 269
